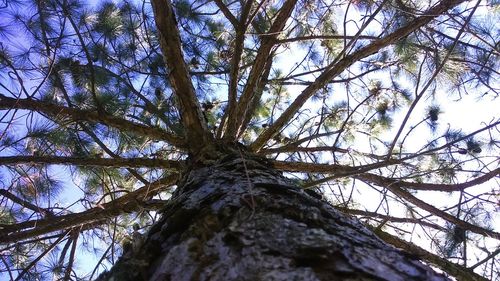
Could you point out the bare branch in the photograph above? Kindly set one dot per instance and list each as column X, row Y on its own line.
column 490, row 256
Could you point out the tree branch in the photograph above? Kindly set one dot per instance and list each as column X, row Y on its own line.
column 101, row 162
column 258, row 94
column 429, row 83
column 89, row 131
column 239, row 43
column 359, row 172
column 457, row 271
column 40, row 256
column 232, row 19
column 268, row 41
column 292, row 148
column 431, row 209
column 25, row 204
column 490, row 256
column 337, row 68
column 326, row 37
column 390, row 218
column 148, row 104
column 379, row 180
column 189, row 107
column 128, row 203
column 337, row 170
column 74, row 115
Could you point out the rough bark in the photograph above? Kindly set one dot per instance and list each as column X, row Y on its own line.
column 238, row 219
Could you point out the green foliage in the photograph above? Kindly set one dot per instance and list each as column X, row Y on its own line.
column 109, row 21
column 35, row 183
column 382, row 115
column 407, row 53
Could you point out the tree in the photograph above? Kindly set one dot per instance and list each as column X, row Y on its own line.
column 247, row 140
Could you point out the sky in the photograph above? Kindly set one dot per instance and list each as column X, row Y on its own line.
column 466, row 114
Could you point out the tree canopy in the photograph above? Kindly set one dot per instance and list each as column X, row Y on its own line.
column 384, row 107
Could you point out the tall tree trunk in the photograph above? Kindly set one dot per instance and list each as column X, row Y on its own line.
column 238, row 219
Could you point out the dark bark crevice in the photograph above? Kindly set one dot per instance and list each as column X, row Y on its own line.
column 220, row 226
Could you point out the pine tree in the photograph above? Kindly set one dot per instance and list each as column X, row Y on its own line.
column 249, row 140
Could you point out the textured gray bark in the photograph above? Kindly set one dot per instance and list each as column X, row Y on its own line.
column 241, row 220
